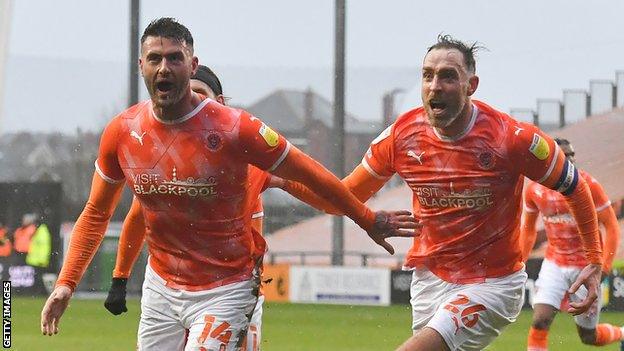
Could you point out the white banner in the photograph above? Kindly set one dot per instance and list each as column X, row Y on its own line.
column 340, row 285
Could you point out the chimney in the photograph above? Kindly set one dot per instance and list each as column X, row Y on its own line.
column 388, row 109
column 308, row 106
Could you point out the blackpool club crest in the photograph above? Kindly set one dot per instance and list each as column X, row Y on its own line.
column 486, row 160
column 214, row 142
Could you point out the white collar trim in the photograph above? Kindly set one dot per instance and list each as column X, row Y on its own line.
column 473, row 119
column 183, row 118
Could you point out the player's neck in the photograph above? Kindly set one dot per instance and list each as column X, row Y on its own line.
column 460, row 124
column 187, row 104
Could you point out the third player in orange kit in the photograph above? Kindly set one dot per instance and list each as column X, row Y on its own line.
column 565, row 258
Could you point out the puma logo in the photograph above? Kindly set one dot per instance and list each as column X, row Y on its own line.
column 518, row 130
column 411, row 153
column 137, row 136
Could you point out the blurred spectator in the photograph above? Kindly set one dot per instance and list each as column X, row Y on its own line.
column 5, row 243
column 40, row 248
column 23, row 236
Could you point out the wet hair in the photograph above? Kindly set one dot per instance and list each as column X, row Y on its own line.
column 565, row 142
column 169, row 28
column 562, row 141
column 445, row 41
column 207, row 76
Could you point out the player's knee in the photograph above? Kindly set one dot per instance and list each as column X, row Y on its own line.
column 542, row 323
column 588, row 338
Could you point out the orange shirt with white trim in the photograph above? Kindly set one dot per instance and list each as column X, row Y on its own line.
column 191, row 178
column 467, row 191
column 564, row 243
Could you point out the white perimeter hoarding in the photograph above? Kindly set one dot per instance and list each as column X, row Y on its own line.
column 340, row 285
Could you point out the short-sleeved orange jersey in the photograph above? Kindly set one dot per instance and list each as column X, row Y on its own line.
column 191, row 178
column 564, row 243
column 467, row 191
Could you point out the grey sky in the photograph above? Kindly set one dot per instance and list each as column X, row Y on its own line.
column 536, row 48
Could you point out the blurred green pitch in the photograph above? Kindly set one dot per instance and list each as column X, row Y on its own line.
column 287, row 327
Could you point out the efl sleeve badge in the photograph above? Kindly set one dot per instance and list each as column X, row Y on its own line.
column 539, row 147
column 269, row 135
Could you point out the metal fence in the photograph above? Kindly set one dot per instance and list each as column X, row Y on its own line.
column 576, row 104
column 351, row 258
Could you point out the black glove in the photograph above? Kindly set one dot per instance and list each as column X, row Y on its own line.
column 116, row 300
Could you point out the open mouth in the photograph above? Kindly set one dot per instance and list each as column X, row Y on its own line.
column 164, row 86
column 437, row 106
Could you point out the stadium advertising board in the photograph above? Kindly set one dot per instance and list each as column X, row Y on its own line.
column 339, row 285
column 400, row 282
column 615, row 291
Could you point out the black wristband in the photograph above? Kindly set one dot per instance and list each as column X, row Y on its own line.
column 119, row 283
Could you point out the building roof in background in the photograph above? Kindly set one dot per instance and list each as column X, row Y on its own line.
column 285, row 111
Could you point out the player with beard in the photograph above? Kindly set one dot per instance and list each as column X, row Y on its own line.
column 132, row 237
column 186, row 159
column 465, row 163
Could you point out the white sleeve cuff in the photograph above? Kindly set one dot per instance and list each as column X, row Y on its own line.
column 281, row 158
column 372, row 171
column 105, row 177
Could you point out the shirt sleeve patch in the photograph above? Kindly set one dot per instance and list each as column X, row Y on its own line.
column 539, row 147
column 269, row 135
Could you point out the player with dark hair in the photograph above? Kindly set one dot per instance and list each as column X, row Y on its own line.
column 565, row 258
column 132, row 236
column 186, row 159
column 133, row 233
column 465, row 163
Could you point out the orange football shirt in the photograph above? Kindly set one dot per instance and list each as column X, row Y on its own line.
column 564, row 243
column 191, row 178
column 467, row 191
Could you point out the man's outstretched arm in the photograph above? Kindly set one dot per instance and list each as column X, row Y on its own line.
column 299, row 167
column 85, row 240
column 264, row 148
column 360, row 183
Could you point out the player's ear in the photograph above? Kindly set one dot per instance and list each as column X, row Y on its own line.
column 194, row 65
column 473, row 83
column 141, row 66
column 221, row 99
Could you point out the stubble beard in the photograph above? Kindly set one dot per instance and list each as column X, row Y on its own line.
column 174, row 97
